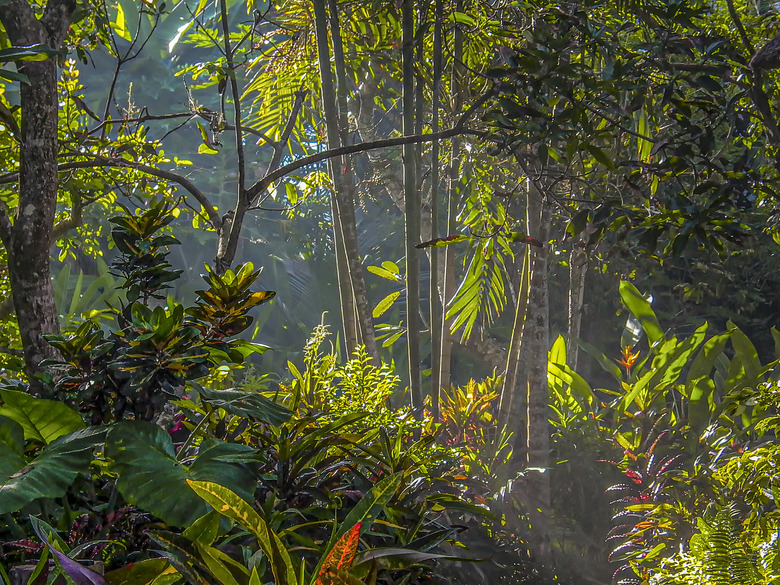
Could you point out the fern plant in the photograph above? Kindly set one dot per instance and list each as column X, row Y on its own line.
column 722, row 553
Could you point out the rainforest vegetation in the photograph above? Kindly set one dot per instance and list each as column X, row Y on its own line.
column 341, row 292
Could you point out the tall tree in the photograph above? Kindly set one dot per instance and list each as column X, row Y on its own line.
column 27, row 236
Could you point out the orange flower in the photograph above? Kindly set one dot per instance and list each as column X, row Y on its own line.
column 629, row 359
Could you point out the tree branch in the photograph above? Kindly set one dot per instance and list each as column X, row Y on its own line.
column 231, row 72
column 459, row 129
column 101, row 161
column 300, row 95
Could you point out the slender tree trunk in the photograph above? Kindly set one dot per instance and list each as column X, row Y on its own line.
column 433, row 291
column 512, row 407
column 538, row 340
column 28, row 240
column 362, row 309
column 342, row 204
column 578, row 268
column 452, row 204
column 411, row 211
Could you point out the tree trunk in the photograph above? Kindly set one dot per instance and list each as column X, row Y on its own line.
column 538, row 340
column 362, row 309
column 29, row 238
column 351, row 279
column 411, row 212
column 445, row 370
column 512, row 407
column 578, row 268
column 435, row 310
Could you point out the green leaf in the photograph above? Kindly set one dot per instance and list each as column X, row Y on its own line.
column 641, row 309
column 11, row 447
column 384, row 305
column 705, row 360
column 206, row 149
column 600, row 155
column 246, row 404
column 237, row 509
column 38, row 52
column 142, row 455
column 219, row 565
column 391, row 267
column 52, row 472
column 14, row 76
column 384, row 272
column 368, row 508
column 143, row 573
column 205, row 529
column 120, row 24
column 42, row 420
column 744, row 351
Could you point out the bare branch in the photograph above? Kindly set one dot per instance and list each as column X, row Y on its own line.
column 284, row 170
column 459, row 129
column 231, row 72
column 300, row 95
column 101, row 161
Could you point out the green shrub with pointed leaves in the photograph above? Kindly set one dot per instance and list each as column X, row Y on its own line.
column 147, row 360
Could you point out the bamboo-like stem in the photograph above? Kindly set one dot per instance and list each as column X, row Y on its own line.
column 411, row 212
column 433, row 293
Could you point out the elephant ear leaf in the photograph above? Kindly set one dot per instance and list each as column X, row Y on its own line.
column 42, row 420
column 51, row 473
column 143, row 456
column 11, row 447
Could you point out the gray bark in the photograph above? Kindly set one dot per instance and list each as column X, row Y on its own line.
column 578, row 268
column 28, row 238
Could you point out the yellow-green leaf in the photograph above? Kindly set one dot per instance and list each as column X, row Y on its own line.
column 234, row 507
column 385, row 304
column 120, row 25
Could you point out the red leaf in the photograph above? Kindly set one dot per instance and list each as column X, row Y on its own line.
column 517, row 237
column 440, row 242
column 342, row 554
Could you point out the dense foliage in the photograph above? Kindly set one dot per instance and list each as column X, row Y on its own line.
column 523, row 325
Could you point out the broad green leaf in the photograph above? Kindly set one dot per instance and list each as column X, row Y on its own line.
column 391, row 267
column 38, row 52
column 776, row 339
column 642, row 310
column 142, row 455
column 232, row 506
column 600, row 155
column 571, row 378
column 705, row 360
column 396, row 558
column 143, row 573
column 14, row 76
column 384, row 305
column 744, row 351
column 205, row 529
column 42, row 420
column 606, row 364
column 11, row 447
column 52, row 472
column 246, row 404
column 557, row 353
